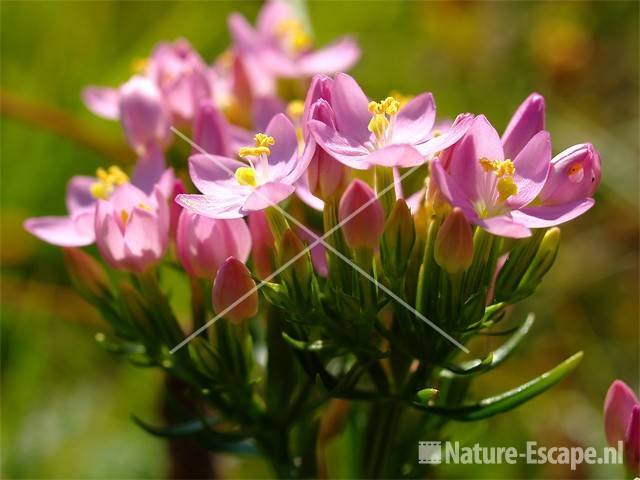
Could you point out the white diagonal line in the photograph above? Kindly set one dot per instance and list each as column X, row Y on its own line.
column 319, row 240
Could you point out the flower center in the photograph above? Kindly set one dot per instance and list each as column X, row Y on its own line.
column 383, row 113
column 293, row 35
column 106, row 181
column 247, row 176
column 576, row 173
column 504, row 171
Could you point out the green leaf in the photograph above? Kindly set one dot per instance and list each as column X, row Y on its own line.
column 190, row 427
column 315, row 346
column 496, row 357
column 507, row 400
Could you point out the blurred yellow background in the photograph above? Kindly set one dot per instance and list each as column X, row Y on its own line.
column 66, row 402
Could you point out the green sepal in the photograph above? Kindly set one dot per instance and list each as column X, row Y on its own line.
column 315, row 346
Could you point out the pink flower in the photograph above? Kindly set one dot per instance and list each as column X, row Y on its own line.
column 176, row 71
column 77, row 228
column 262, row 244
column 233, row 189
column 203, row 244
column 622, row 422
column 281, row 44
column 234, row 292
column 143, row 114
column 362, row 227
column 527, row 120
column 360, row 133
column 573, row 179
column 132, row 228
column 489, row 188
column 182, row 77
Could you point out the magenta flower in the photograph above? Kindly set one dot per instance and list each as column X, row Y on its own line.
column 132, row 228
column 527, row 120
column 281, row 44
column 203, row 244
column 489, row 188
column 234, row 294
column 622, row 422
column 360, row 133
column 77, row 228
column 233, row 188
column 364, row 228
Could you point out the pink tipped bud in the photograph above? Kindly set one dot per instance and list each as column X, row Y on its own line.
column 618, row 405
column 574, row 175
column 525, row 123
column 326, row 176
column 361, row 216
column 143, row 114
column 454, row 243
column 632, row 442
column 262, row 243
column 86, row 273
column 234, row 294
column 211, row 131
column 203, row 243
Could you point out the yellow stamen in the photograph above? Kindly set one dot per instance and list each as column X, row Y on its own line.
column 263, row 140
column 378, row 125
column 253, row 151
column 295, row 109
column 389, row 106
column 144, row 206
column 402, row 99
column 106, row 181
column 124, row 216
column 246, row 176
column 506, row 187
column 292, row 31
column 139, row 65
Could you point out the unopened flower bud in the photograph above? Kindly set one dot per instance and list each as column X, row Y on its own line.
column 525, row 123
column 397, row 240
column 262, row 243
column 87, row 273
column 234, row 294
column 325, row 175
column 454, row 243
column 543, row 260
column 361, row 216
column 298, row 274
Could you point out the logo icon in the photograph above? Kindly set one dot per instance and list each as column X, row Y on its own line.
column 430, row 452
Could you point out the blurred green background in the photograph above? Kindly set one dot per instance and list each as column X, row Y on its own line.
column 66, row 402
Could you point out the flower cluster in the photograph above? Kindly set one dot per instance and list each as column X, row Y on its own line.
column 292, row 211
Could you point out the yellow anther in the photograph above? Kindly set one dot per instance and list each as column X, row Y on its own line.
column 506, row 187
column 295, row 109
column 263, row 140
column 292, row 31
column 253, row 151
column 124, row 216
column 144, row 206
column 107, row 180
column 488, row 165
column 378, row 125
column 375, row 107
column 500, row 168
column 246, row 176
column 390, row 106
column 99, row 190
column 139, row 65
column 401, row 98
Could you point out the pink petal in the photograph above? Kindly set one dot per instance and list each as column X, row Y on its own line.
column 149, row 169
column 449, row 137
column 284, row 153
column 543, row 216
column 525, row 123
column 416, row 200
column 342, row 149
column 109, row 236
column 303, row 193
column 338, row 56
column 452, row 191
column 211, row 131
column 210, row 173
column 415, row 120
column 397, row 155
column 79, row 193
column 480, row 141
column 60, row 231
column 242, row 33
column 214, row 206
column 144, row 237
column 632, row 441
column 126, row 196
column 350, row 105
column 102, row 101
column 267, row 195
column 503, row 226
column 532, row 168
column 264, row 109
column 618, row 405
column 271, row 14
